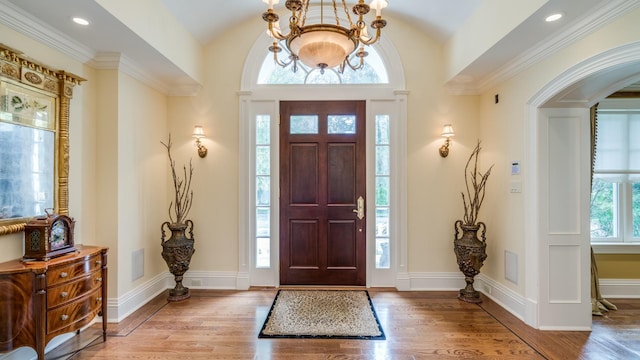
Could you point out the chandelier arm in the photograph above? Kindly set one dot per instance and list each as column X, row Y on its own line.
column 293, row 59
column 282, row 63
column 372, row 40
column 276, row 34
column 347, row 62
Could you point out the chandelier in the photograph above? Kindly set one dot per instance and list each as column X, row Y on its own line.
column 324, row 45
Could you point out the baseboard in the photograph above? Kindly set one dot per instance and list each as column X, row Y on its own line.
column 511, row 301
column 620, row 288
column 220, row 280
column 434, row 282
column 508, row 299
column 121, row 307
column 502, row 295
column 118, row 309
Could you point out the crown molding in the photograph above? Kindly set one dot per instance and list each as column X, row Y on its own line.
column 28, row 25
column 24, row 23
column 184, row 90
column 606, row 13
column 120, row 62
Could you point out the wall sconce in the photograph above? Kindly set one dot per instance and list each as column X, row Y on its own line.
column 198, row 132
column 447, row 132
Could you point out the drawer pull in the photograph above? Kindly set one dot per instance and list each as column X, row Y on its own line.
column 64, row 294
column 63, row 274
column 64, row 317
column 99, row 279
column 99, row 262
column 99, row 299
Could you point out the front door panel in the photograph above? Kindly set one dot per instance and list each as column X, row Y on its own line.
column 322, row 175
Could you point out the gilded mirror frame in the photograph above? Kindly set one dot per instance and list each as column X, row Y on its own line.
column 21, row 71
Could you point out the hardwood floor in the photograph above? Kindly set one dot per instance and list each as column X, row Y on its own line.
column 418, row 325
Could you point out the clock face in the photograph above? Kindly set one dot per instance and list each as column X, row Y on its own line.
column 58, row 237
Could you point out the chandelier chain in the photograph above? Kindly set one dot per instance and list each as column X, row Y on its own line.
column 335, row 12
column 304, row 13
column 346, row 11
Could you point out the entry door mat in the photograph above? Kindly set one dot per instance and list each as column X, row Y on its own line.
column 322, row 314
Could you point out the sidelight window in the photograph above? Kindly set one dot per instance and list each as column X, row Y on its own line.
column 263, row 191
column 383, row 177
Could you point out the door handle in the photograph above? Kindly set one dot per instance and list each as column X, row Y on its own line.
column 360, row 209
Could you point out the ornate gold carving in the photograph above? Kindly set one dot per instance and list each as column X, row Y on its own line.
column 68, row 90
column 10, row 70
column 50, row 85
column 60, row 83
column 14, row 228
column 33, row 78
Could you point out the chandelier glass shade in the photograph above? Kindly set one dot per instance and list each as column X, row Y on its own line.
column 324, row 45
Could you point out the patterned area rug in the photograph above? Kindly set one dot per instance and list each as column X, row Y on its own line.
column 343, row 314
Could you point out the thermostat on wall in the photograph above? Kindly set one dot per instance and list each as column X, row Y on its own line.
column 515, row 168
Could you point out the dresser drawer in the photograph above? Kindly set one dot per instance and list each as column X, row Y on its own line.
column 69, row 272
column 61, row 294
column 79, row 309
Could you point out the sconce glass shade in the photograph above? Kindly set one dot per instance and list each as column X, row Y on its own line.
column 198, row 132
column 447, row 131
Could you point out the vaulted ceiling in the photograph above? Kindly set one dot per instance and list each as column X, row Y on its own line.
column 49, row 21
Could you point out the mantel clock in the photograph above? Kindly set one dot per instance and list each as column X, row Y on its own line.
column 48, row 236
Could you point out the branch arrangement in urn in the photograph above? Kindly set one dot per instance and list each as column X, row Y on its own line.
column 475, row 182
column 182, row 186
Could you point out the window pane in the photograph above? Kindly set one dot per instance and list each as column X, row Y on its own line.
column 262, row 160
column 603, row 207
column 382, row 129
column 262, row 221
column 382, row 160
column 382, row 191
column 263, row 253
column 328, row 76
column 262, row 130
column 263, row 190
column 635, row 191
column 373, row 71
column 383, row 172
column 382, row 222
column 303, row 124
column 382, row 253
column 341, row 124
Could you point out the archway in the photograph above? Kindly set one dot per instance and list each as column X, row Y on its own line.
column 551, row 246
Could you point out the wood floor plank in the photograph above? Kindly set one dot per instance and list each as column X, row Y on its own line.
column 418, row 325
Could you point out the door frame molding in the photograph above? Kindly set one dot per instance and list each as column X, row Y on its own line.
column 265, row 100
column 391, row 97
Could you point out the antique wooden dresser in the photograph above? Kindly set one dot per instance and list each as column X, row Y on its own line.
column 40, row 300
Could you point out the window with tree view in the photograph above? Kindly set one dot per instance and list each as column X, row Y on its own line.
column 373, row 72
column 615, row 193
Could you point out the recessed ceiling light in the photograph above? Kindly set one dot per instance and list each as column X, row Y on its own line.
column 80, row 21
column 553, row 17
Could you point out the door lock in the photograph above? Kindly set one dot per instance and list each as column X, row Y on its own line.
column 360, row 209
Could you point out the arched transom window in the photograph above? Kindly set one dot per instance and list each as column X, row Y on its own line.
column 373, row 72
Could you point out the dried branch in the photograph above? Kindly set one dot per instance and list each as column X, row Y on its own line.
column 183, row 193
column 475, row 183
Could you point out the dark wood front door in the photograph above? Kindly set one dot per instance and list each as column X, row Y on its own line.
column 322, row 177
